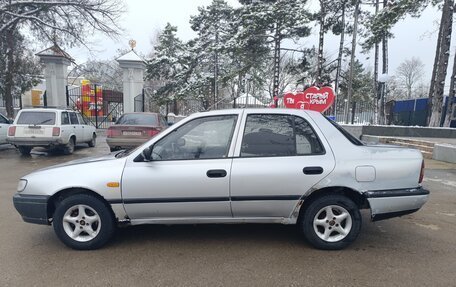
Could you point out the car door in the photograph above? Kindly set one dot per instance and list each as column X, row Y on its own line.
column 4, row 124
column 77, row 129
column 188, row 176
column 85, row 129
column 66, row 128
column 278, row 158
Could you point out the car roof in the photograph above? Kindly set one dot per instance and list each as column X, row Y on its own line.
column 46, row 110
column 260, row 110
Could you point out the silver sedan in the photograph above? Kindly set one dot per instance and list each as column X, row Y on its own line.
column 230, row 166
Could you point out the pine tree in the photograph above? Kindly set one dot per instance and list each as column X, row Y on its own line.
column 169, row 64
column 20, row 67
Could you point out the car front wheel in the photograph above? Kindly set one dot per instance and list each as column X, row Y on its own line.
column 83, row 222
column 331, row 222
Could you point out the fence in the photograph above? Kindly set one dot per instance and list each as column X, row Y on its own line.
column 99, row 107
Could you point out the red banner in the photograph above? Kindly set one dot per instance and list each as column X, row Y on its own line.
column 313, row 98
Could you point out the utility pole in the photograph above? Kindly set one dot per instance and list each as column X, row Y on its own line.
column 321, row 39
column 275, row 87
column 375, row 82
column 384, row 72
column 352, row 61
column 341, row 54
column 216, row 69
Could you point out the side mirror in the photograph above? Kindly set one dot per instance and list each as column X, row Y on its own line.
column 147, row 154
column 11, row 121
column 181, row 142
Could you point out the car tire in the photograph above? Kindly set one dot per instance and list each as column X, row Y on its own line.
column 69, row 147
column 93, row 142
column 83, row 222
column 331, row 222
column 113, row 149
column 25, row 150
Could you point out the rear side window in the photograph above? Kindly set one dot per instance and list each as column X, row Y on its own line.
column 3, row 120
column 65, row 118
column 279, row 135
column 73, row 119
column 138, row 120
column 346, row 134
column 36, row 118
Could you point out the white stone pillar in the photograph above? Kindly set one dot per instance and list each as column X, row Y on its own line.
column 133, row 79
column 56, row 63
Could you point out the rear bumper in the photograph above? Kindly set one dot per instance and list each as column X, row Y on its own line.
column 32, row 208
column 124, row 143
column 392, row 203
column 44, row 142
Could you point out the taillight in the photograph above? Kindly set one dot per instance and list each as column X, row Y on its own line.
column 421, row 172
column 55, row 131
column 112, row 132
column 152, row 132
column 12, row 131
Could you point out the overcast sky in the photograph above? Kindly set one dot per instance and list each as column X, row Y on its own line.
column 414, row 37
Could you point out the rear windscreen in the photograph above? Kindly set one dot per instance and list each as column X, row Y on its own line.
column 138, row 120
column 36, row 118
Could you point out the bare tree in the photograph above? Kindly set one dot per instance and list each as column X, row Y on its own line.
column 62, row 22
column 409, row 73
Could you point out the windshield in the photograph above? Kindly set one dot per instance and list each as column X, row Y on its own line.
column 36, row 118
column 138, row 120
column 348, row 135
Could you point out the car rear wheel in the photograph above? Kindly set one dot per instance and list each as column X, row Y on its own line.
column 93, row 142
column 83, row 222
column 69, row 147
column 331, row 222
column 25, row 150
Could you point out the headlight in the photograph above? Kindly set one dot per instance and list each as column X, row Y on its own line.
column 21, row 185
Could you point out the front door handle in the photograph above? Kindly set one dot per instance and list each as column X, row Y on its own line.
column 313, row 170
column 216, row 173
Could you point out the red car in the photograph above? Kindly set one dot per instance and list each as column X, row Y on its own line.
column 133, row 129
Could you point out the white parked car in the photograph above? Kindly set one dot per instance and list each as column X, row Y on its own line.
column 4, row 124
column 230, row 166
column 50, row 128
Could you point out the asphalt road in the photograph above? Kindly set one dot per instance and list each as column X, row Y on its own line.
column 414, row 250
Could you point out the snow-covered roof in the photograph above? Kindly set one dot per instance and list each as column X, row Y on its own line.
column 55, row 51
column 130, row 56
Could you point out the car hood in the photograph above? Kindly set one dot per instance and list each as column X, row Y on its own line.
column 108, row 157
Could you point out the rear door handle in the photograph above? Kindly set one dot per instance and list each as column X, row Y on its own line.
column 313, row 170
column 216, row 173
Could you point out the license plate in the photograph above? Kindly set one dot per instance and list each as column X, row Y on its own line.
column 34, row 131
column 131, row 133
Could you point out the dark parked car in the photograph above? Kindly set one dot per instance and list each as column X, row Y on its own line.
column 133, row 129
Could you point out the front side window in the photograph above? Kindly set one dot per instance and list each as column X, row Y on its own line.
column 81, row 120
column 279, row 135
column 203, row 138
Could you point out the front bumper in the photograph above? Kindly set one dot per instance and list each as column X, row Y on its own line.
column 392, row 203
column 32, row 208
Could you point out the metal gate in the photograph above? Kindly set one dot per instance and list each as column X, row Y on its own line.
column 99, row 107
